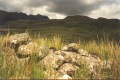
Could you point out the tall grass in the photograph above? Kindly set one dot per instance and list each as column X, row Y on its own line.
column 13, row 68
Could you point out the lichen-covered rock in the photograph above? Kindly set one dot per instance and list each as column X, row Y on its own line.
column 53, row 61
column 53, row 49
column 93, row 64
column 83, row 52
column 63, row 76
column 27, row 49
column 69, row 56
column 58, row 64
column 71, row 47
column 7, row 45
column 15, row 41
column 42, row 52
column 21, row 38
column 60, row 75
column 68, row 68
column 58, row 52
column 51, row 73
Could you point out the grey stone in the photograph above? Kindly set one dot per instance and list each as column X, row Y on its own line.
column 71, row 47
column 59, row 75
column 27, row 49
column 63, row 76
column 69, row 56
column 83, row 52
column 42, row 52
column 53, row 61
column 93, row 64
column 21, row 38
column 68, row 68
column 14, row 41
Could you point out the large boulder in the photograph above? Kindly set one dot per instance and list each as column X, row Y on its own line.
column 80, row 57
column 59, row 75
column 42, row 52
column 69, row 57
column 63, row 76
column 71, row 47
column 83, row 52
column 92, row 64
column 53, row 61
column 22, row 38
column 14, row 41
column 68, row 68
column 28, row 49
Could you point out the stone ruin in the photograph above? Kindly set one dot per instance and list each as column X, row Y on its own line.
column 63, row 63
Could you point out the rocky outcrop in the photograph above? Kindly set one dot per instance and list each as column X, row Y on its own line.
column 58, row 64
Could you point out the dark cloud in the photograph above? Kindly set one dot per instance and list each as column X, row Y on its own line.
column 71, row 7
column 57, row 7
column 67, row 7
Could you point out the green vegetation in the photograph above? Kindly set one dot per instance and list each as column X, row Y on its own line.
column 71, row 29
column 10, row 68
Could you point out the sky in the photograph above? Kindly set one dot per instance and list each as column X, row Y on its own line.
column 59, row 9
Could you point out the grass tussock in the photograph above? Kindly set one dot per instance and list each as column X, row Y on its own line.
column 12, row 68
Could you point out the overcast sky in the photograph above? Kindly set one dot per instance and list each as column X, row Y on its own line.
column 58, row 9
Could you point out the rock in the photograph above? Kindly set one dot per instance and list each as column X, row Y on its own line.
column 71, row 47
column 64, row 63
column 64, row 76
column 28, row 49
column 7, row 45
column 59, row 75
column 69, row 56
column 83, row 52
column 15, row 41
column 22, row 38
column 53, row 49
column 95, row 55
column 93, row 64
column 51, row 73
column 42, row 52
column 58, row 52
column 68, row 68
column 53, row 61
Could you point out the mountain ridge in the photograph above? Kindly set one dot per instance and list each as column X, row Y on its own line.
column 71, row 28
column 12, row 16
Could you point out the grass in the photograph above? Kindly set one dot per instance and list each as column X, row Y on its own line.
column 70, row 29
column 11, row 68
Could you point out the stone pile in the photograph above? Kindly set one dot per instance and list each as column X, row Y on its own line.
column 63, row 63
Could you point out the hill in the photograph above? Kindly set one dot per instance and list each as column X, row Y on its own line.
column 11, row 16
column 72, row 28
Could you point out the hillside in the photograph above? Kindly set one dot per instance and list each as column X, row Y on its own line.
column 11, row 16
column 72, row 28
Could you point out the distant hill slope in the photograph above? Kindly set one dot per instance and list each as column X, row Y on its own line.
column 71, row 28
column 11, row 16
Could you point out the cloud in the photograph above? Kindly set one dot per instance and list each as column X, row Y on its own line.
column 12, row 5
column 62, row 8
column 111, row 10
column 67, row 7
